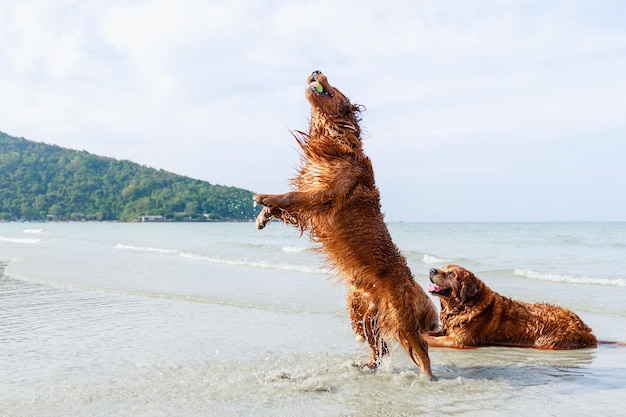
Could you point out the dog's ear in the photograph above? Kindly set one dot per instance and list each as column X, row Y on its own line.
column 345, row 108
column 468, row 288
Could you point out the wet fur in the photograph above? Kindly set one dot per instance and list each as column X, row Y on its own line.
column 335, row 199
column 473, row 315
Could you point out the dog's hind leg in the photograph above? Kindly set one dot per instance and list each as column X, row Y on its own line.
column 357, row 309
column 377, row 344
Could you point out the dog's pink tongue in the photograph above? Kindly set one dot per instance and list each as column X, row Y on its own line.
column 434, row 288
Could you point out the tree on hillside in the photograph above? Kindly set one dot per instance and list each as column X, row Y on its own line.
column 39, row 181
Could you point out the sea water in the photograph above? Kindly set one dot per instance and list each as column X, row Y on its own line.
column 219, row 319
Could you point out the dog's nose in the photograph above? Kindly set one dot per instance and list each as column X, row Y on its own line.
column 315, row 73
column 433, row 271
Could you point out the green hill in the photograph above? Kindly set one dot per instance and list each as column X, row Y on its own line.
column 40, row 181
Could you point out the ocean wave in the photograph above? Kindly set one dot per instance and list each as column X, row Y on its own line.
column 294, row 249
column 256, row 264
column 25, row 240
column 573, row 279
column 227, row 261
column 33, row 231
column 430, row 259
column 145, row 249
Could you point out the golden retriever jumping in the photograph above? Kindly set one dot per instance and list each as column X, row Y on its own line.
column 473, row 315
column 335, row 199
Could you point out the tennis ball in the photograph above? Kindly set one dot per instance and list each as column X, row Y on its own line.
column 318, row 87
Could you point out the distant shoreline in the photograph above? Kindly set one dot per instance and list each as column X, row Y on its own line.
column 127, row 221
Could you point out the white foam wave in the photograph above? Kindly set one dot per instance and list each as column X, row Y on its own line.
column 33, row 231
column 19, row 240
column 430, row 259
column 145, row 249
column 574, row 279
column 226, row 261
column 256, row 264
column 294, row 249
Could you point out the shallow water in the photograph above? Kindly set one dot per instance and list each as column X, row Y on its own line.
column 221, row 319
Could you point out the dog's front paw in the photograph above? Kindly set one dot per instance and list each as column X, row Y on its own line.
column 264, row 217
column 262, row 199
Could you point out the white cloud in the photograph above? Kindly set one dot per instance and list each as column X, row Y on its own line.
column 62, row 54
column 25, row 34
column 472, row 90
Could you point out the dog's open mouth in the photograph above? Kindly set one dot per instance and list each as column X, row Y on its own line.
column 437, row 290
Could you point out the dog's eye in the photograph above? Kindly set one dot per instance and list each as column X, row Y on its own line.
column 451, row 274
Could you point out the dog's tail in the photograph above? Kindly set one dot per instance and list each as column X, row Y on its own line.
column 417, row 349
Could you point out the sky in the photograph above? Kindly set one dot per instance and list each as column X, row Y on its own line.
column 476, row 110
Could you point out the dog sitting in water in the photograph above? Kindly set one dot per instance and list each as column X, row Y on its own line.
column 335, row 199
column 473, row 315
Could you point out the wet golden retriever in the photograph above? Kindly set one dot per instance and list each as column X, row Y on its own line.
column 473, row 315
column 335, row 199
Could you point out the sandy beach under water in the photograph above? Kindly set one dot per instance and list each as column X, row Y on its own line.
column 221, row 320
